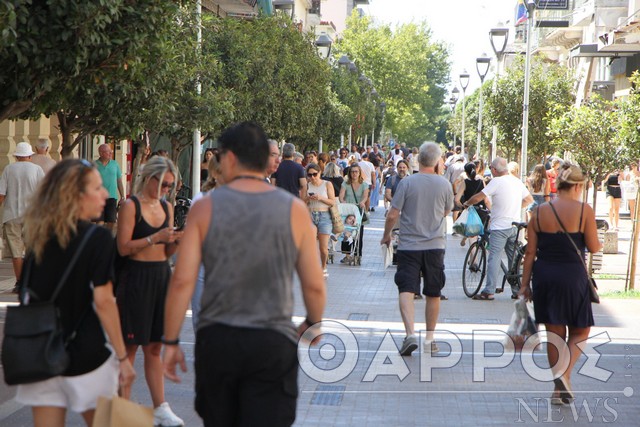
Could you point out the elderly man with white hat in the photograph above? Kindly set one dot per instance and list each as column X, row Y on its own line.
column 17, row 183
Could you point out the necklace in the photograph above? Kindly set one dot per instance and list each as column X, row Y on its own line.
column 144, row 199
column 257, row 178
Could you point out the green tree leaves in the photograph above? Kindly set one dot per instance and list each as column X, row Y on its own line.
column 408, row 69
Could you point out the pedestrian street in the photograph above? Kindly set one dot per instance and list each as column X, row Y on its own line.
column 361, row 386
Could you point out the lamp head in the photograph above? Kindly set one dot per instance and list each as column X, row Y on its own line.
column 455, row 94
column 344, row 61
column 482, row 65
column 323, row 44
column 464, row 80
column 498, row 38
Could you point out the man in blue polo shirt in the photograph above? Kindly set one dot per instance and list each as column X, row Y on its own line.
column 112, row 182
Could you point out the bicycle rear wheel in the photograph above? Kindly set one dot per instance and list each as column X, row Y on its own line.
column 520, row 265
column 474, row 269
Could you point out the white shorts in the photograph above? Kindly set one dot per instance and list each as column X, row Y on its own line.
column 79, row 393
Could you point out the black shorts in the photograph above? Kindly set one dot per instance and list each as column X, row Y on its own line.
column 430, row 263
column 245, row 377
column 141, row 293
column 110, row 212
column 615, row 192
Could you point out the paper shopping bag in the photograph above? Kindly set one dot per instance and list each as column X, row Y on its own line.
column 387, row 256
column 119, row 412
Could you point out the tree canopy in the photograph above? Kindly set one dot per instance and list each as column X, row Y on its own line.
column 408, row 69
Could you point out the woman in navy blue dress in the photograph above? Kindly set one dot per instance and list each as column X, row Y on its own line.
column 560, row 289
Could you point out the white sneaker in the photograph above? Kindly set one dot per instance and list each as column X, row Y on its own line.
column 163, row 416
column 430, row 347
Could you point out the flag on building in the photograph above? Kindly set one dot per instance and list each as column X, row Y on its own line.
column 521, row 12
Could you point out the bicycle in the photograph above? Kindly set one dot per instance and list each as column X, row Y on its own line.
column 475, row 264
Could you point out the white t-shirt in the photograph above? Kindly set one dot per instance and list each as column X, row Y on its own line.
column 18, row 183
column 367, row 169
column 506, row 193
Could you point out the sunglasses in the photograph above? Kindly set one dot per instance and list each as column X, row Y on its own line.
column 312, row 174
column 355, row 171
column 167, row 185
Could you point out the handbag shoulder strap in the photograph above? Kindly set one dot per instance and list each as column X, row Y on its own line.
column 354, row 194
column 566, row 233
column 67, row 271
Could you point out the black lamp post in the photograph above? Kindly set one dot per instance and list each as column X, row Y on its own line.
column 482, row 66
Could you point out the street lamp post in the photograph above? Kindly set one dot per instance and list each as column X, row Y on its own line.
column 323, row 45
column 195, row 141
column 464, row 82
column 531, row 7
column 482, row 66
column 455, row 94
column 498, row 38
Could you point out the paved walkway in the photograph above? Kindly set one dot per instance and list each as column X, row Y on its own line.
column 356, row 377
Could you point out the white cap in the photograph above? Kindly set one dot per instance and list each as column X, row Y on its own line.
column 23, row 149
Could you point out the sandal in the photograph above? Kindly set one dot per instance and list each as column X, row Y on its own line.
column 483, row 297
column 563, row 388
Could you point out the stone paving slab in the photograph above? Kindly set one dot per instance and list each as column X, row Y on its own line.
column 364, row 299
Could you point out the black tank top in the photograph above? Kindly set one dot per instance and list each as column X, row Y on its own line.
column 613, row 180
column 471, row 188
column 142, row 228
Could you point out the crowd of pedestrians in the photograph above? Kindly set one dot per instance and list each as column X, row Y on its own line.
column 250, row 189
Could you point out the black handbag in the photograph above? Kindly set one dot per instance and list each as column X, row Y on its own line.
column 593, row 288
column 34, row 348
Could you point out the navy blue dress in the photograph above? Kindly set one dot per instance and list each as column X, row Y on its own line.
column 560, row 283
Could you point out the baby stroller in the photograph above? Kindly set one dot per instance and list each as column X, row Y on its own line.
column 349, row 239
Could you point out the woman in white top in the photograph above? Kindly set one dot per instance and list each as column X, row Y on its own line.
column 396, row 155
column 413, row 160
column 320, row 195
column 633, row 176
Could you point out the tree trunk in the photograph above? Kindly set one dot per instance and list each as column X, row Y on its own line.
column 67, row 150
column 595, row 198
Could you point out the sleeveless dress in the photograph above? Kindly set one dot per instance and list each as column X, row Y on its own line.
column 560, row 283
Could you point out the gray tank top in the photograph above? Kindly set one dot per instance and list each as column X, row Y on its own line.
column 249, row 257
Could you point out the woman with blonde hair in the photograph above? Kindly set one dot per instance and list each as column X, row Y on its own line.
column 320, row 197
column 560, row 289
column 57, row 220
column 147, row 238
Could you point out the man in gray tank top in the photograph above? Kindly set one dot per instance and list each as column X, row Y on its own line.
column 250, row 237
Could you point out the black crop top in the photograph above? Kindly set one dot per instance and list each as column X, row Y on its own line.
column 142, row 228
column 613, row 179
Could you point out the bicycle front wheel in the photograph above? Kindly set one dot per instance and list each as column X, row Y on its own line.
column 474, row 269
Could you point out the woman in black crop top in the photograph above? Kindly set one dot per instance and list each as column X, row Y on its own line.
column 614, row 196
column 147, row 238
column 57, row 220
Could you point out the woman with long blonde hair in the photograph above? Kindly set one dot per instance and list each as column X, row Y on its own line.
column 147, row 237
column 57, row 220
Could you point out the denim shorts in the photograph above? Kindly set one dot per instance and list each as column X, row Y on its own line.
column 322, row 220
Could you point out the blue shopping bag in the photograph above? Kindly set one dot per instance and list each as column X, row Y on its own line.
column 473, row 226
